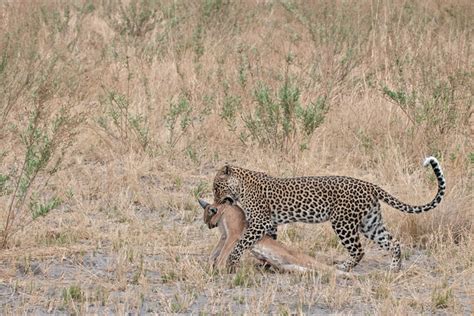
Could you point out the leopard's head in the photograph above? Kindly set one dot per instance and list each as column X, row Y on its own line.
column 226, row 186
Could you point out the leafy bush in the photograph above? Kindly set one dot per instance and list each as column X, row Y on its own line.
column 433, row 110
column 45, row 140
column 121, row 123
column 230, row 107
column 39, row 209
column 280, row 118
column 178, row 119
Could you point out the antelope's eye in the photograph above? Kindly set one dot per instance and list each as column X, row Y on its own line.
column 213, row 210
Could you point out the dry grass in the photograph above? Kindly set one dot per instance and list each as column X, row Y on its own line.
column 153, row 96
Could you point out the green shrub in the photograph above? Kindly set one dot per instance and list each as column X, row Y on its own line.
column 230, row 107
column 120, row 122
column 38, row 209
column 279, row 119
column 45, row 140
column 73, row 293
column 178, row 119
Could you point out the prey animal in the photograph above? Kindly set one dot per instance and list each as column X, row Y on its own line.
column 230, row 220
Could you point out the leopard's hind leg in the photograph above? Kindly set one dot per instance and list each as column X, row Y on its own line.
column 373, row 228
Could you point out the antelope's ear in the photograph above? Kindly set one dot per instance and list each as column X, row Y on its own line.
column 213, row 211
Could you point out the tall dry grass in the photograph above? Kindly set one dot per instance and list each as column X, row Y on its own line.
column 116, row 114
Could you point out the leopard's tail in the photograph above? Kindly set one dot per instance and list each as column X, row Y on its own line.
column 394, row 202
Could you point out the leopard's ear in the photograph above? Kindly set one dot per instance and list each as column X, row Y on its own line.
column 227, row 170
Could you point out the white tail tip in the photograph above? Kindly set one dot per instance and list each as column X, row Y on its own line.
column 428, row 160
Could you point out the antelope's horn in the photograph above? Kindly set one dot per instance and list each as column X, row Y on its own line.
column 203, row 203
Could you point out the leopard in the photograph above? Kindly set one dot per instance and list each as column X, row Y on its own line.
column 351, row 205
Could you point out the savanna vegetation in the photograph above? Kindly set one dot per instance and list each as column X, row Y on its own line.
column 115, row 115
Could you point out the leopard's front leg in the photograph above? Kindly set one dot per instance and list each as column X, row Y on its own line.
column 258, row 224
